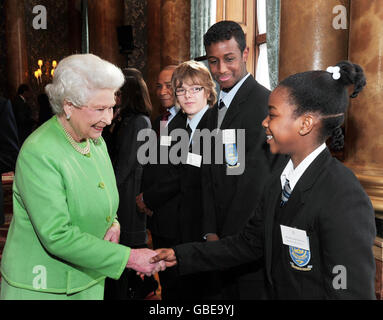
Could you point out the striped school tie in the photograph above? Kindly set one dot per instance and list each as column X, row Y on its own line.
column 285, row 193
column 189, row 130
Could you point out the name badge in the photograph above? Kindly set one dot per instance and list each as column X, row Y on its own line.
column 194, row 159
column 295, row 237
column 166, row 141
column 228, row 136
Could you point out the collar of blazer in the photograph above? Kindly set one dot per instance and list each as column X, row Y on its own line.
column 308, row 178
column 234, row 108
column 202, row 123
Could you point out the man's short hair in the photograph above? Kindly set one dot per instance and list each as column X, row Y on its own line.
column 225, row 30
column 22, row 88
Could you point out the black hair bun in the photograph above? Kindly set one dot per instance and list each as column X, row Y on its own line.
column 352, row 74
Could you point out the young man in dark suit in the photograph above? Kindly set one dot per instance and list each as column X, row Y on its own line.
column 162, row 222
column 195, row 93
column 8, row 145
column 230, row 199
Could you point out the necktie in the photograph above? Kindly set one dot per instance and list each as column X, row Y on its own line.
column 165, row 116
column 221, row 113
column 163, row 121
column 285, row 193
column 189, row 130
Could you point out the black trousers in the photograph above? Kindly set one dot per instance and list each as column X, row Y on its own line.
column 245, row 282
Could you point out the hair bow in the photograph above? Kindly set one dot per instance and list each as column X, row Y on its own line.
column 335, row 71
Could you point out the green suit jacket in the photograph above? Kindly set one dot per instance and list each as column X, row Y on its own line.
column 63, row 204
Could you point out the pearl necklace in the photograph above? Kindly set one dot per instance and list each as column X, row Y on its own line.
column 84, row 151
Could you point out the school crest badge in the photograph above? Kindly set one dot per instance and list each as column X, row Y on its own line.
column 301, row 258
column 231, row 155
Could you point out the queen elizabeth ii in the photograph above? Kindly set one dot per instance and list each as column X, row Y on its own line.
column 63, row 238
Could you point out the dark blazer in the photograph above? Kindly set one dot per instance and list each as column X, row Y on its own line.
column 162, row 223
column 9, row 148
column 128, row 173
column 23, row 116
column 8, row 137
column 183, row 181
column 230, row 199
column 329, row 203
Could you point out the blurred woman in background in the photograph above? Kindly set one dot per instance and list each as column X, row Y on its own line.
column 134, row 111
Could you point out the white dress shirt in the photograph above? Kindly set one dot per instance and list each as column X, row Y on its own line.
column 193, row 123
column 227, row 97
column 173, row 112
column 293, row 175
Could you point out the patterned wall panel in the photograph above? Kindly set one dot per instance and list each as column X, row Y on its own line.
column 53, row 43
column 50, row 44
column 135, row 15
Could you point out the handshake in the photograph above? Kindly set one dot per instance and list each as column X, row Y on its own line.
column 148, row 262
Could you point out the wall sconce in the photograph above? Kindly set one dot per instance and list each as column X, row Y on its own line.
column 49, row 73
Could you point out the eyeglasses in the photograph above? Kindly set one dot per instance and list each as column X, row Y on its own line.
column 192, row 91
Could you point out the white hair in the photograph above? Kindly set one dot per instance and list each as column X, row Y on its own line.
column 77, row 76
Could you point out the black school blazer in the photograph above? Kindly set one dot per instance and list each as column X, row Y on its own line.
column 230, row 200
column 163, row 223
column 339, row 219
column 183, row 181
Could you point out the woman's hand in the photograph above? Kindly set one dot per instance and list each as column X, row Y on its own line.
column 113, row 233
column 139, row 261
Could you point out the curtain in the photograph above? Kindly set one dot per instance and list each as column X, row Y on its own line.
column 200, row 20
column 262, row 72
column 272, row 23
column 85, row 27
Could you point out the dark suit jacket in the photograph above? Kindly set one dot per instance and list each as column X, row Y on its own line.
column 8, row 137
column 9, row 148
column 23, row 116
column 183, row 181
column 164, row 218
column 329, row 203
column 230, row 199
column 128, row 173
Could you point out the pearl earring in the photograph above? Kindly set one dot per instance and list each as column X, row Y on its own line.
column 68, row 117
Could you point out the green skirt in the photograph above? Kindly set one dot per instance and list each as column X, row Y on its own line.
column 9, row 292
